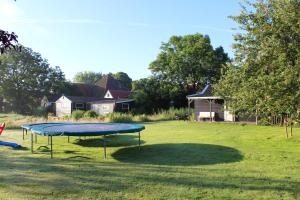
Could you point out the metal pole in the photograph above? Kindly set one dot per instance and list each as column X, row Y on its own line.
column 104, row 145
column 210, row 110
column 23, row 133
column 139, row 140
column 31, row 140
column 26, row 131
column 48, row 139
column 51, row 148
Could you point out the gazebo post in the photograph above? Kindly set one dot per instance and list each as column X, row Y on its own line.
column 210, row 110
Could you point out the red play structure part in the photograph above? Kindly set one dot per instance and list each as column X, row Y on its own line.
column 2, row 126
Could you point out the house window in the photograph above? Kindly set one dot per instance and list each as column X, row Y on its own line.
column 125, row 106
column 79, row 106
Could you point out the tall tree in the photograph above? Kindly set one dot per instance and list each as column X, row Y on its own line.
column 267, row 71
column 26, row 77
column 123, row 78
column 189, row 62
column 149, row 95
column 8, row 41
column 87, row 77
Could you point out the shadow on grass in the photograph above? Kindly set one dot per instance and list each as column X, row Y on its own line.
column 80, row 177
column 178, row 154
column 111, row 141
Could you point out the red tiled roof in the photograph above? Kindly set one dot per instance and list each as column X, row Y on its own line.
column 120, row 94
column 110, row 83
column 83, row 99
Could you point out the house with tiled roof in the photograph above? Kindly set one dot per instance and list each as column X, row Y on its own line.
column 107, row 95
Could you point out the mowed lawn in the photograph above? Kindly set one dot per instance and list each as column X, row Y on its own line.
column 177, row 160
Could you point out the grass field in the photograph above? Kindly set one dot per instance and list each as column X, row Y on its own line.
column 178, row 160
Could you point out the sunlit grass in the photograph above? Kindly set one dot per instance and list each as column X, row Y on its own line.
column 177, row 160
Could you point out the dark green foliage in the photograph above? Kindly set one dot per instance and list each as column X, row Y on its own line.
column 189, row 62
column 77, row 114
column 40, row 112
column 90, row 114
column 8, row 41
column 26, row 77
column 124, row 79
column 265, row 78
column 149, row 96
column 184, row 65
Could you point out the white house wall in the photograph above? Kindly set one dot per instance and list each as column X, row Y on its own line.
column 63, row 106
column 103, row 108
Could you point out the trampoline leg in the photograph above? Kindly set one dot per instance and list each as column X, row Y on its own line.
column 104, row 146
column 26, row 131
column 139, row 140
column 48, row 140
column 51, row 148
column 31, row 140
column 68, row 139
column 23, row 133
column 35, row 137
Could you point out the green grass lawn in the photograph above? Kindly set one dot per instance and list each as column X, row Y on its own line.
column 177, row 160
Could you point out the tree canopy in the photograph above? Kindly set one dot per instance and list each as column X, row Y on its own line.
column 189, row 61
column 183, row 66
column 26, row 77
column 123, row 78
column 7, row 41
column 265, row 77
column 88, row 77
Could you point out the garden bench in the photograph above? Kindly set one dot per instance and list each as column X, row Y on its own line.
column 206, row 115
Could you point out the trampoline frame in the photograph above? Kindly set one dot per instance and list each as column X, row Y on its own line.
column 33, row 138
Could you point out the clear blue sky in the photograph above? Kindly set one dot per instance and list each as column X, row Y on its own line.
column 113, row 35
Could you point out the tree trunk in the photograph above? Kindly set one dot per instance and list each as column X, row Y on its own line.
column 291, row 129
column 286, row 131
column 286, row 127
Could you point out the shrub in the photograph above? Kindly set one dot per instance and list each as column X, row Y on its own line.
column 120, row 117
column 77, row 114
column 66, row 117
column 90, row 114
column 142, row 118
column 171, row 114
column 40, row 112
column 101, row 117
column 51, row 115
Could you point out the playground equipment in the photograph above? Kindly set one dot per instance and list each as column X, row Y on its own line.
column 9, row 144
column 80, row 129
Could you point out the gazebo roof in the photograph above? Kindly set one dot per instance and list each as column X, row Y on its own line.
column 206, row 93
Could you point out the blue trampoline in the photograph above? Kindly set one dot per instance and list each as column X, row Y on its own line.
column 79, row 129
